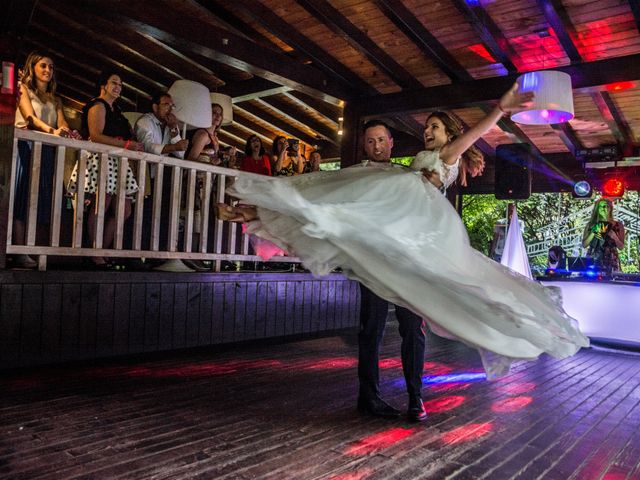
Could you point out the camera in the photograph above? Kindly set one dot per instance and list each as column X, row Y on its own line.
column 292, row 142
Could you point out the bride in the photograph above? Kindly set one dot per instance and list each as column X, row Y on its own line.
column 391, row 229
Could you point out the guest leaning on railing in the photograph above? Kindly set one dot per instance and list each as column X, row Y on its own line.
column 38, row 109
column 103, row 122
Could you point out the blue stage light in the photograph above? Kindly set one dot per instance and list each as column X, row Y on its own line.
column 582, row 189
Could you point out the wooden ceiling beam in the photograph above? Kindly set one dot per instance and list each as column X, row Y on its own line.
column 245, row 120
column 614, row 118
column 635, row 8
column 327, row 109
column 568, row 136
column 292, row 37
column 305, row 106
column 82, row 18
column 279, row 125
column 94, row 55
column 297, row 116
column 559, row 20
column 261, row 94
column 338, row 23
column 407, row 23
column 494, row 41
column 227, row 48
column 266, row 139
column 464, row 94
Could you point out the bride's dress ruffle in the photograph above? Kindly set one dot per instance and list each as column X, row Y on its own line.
column 400, row 237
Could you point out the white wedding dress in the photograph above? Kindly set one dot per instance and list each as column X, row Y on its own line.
column 397, row 234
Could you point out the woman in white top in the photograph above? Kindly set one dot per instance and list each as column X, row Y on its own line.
column 38, row 109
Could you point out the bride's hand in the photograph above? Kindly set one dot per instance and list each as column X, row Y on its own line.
column 432, row 176
column 514, row 100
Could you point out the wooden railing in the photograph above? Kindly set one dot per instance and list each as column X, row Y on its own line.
column 224, row 242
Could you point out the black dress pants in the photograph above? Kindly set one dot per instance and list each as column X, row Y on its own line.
column 373, row 318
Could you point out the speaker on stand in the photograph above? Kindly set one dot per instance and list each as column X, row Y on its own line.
column 513, row 171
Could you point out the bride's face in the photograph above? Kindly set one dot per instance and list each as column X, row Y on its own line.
column 435, row 134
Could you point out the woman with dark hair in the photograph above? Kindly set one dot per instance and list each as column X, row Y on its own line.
column 603, row 236
column 38, row 109
column 103, row 122
column 255, row 158
column 205, row 145
column 285, row 163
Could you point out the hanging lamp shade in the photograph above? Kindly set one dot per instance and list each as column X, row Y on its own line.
column 553, row 101
column 192, row 103
column 132, row 117
column 227, row 106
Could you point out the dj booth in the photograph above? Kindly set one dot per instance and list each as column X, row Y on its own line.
column 607, row 307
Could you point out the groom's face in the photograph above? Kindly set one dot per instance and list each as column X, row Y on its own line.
column 378, row 143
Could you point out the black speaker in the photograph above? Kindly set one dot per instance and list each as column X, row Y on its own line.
column 513, row 171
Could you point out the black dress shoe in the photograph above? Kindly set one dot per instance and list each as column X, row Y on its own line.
column 377, row 407
column 416, row 411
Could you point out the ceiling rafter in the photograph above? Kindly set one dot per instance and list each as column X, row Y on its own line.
column 250, row 131
column 493, row 39
column 635, row 8
column 292, row 37
column 457, row 95
column 260, row 94
column 90, row 53
column 568, row 136
column 324, row 108
column 82, row 18
column 305, row 106
column 556, row 15
column 230, row 49
column 614, row 118
column 339, row 24
column 280, row 125
column 245, row 120
column 295, row 116
column 408, row 24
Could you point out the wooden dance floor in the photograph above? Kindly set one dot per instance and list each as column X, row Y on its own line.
column 288, row 412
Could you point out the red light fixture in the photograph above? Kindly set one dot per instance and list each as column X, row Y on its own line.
column 613, row 187
column 620, row 86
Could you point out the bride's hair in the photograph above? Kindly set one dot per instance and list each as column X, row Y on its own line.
column 472, row 159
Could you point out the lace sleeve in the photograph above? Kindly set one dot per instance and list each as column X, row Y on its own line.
column 449, row 173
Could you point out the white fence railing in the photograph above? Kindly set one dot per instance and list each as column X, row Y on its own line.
column 216, row 240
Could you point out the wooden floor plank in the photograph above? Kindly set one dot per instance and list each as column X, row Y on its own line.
column 287, row 411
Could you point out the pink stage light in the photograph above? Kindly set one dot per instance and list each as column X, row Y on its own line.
column 379, row 441
column 513, row 404
column 467, row 433
column 443, row 404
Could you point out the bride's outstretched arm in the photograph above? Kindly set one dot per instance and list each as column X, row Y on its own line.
column 510, row 101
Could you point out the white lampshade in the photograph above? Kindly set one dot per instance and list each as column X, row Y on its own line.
column 192, row 103
column 227, row 107
column 132, row 117
column 553, row 101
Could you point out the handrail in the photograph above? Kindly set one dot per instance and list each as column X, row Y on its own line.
column 224, row 242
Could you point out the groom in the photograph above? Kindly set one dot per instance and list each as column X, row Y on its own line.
column 373, row 318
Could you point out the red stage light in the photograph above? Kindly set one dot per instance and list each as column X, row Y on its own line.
column 620, row 86
column 613, row 187
column 467, row 433
column 379, row 441
column 443, row 404
column 512, row 404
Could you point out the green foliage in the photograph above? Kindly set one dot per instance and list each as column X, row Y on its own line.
column 481, row 212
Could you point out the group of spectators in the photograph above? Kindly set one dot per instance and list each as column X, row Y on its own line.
column 102, row 121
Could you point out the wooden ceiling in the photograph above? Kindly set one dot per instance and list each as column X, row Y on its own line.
column 293, row 65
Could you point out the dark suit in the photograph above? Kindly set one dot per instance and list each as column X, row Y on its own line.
column 373, row 318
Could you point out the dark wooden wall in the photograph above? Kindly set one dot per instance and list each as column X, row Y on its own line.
column 59, row 316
